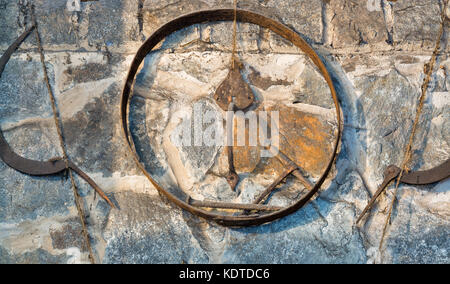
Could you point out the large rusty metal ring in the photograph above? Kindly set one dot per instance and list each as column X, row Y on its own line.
column 243, row 16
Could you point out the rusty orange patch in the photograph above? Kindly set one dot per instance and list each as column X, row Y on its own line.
column 305, row 138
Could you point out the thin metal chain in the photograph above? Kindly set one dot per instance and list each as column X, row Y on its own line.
column 78, row 201
column 429, row 67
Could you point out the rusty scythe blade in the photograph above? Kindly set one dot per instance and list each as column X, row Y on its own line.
column 31, row 167
column 434, row 175
column 215, row 16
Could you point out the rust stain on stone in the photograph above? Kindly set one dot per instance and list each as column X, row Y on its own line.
column 246, row 158
column 68, row 236
column 305, row 138
column 265, row 82
column 88, row 72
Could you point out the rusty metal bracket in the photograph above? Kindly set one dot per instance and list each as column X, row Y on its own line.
column 195, row 207
column 234, row 86
column 31, row 167
column 392, row 172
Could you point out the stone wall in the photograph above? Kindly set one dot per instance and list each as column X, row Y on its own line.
column 375, row 51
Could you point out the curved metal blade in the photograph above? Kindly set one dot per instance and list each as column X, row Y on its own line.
column 31, row 167
column 436, row 174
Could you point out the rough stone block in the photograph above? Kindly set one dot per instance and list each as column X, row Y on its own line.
column 417, row 21
column 303, row 16
column 354, row 23
column 111, row 22
column 137, row 233
column 10, row 26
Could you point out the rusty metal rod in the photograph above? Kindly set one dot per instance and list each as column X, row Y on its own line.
column 297, row 173
column 232, row 177
column 237, row 206
column 274, row 185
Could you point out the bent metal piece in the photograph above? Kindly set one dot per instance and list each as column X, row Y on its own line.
column 31, row 167
column 214, row 16
column 434, row 175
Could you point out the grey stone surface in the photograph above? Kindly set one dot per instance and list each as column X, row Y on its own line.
column 53, row 16
column 25, row 198
column 68, row 236
column 37, row 257
column 305, row 17
column 354, row 23
column 30, row 131
column 199, row 159
column 308, row 236
column 112, row 22
column 24, row 76
column 98, row 24
column 137, row 233
column 93, row 136
column 9, row 13
column 417, row 21
column 386, row 106
column 308, row 23
column 88, row 54
column 418, row 237
column 315, row 90
column 50, row 15
column 390, row 129
column 146, row 144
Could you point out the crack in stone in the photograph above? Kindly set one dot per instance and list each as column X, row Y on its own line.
column 140, row 16
column 389, row 20
column 327, row 22
column 163, row 7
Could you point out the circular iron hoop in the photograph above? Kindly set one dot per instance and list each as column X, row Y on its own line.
column 243, row 16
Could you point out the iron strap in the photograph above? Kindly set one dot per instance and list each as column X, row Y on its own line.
column 436, row 174
column 243, row 16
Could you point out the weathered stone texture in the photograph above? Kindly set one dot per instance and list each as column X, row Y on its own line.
column 303, row 16
column 417, row 21
column 353, row 23
column 9, row 13
column 99, row 23
column 375, row 52
column 138, row 233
